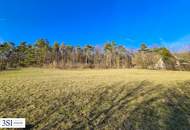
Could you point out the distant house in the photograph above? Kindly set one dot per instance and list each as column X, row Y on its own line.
column 173, row 64
column 182, row 65
column 165, row 64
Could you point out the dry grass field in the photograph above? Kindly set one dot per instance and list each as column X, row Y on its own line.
column 125, row 99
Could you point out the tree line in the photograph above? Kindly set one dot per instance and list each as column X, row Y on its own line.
column 111, row 55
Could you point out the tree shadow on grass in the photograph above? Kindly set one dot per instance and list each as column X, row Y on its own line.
column 119, row 101
column 124, row 106
column 169, row 111
column 178, row 104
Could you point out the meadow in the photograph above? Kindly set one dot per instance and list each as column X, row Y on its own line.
column 112, row 99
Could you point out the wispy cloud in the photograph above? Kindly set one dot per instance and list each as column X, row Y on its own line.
column 182, row 44
column 125, row 38
column 3, row 19
column 129, row 39
column 1, row 40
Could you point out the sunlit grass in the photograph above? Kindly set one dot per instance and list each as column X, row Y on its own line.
column 99, row 99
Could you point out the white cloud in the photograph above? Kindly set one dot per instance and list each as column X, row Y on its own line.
column 182, row 44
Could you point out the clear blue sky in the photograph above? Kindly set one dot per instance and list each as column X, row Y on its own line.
column 79, row 22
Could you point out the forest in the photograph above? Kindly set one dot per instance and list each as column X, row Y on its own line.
column 43, row 54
